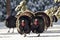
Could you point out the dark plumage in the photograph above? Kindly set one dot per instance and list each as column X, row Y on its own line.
column 26, row 28
column 40, row 27
column 11, row 22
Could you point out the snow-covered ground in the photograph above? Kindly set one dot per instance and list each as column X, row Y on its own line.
column 52, row 33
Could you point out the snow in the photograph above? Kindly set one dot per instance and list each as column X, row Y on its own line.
column 52, row 33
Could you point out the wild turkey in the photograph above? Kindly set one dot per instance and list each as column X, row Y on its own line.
column 47, row 19
column 41, row 21
column 11, row 22
column 24, row 22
